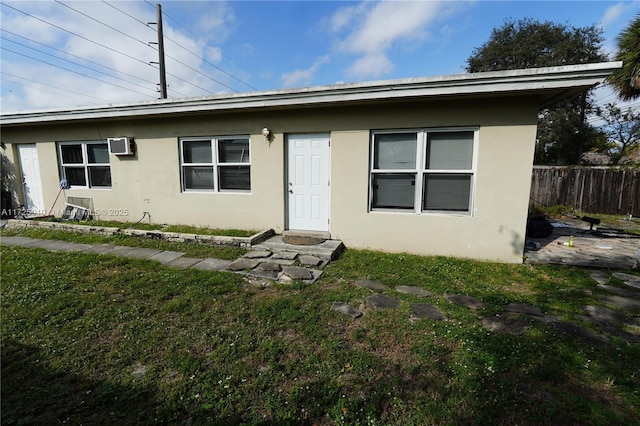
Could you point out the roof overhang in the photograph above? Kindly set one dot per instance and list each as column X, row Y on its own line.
column 547, row 84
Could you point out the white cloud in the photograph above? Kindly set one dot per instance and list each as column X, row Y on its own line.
column 618, row 10
column 373, row 29
column 371, row 65
column 304, row 76
column 38, row 85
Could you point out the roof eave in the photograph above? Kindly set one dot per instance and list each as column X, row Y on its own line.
column 552, row 81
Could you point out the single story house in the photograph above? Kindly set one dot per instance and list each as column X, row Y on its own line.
column 432, row 166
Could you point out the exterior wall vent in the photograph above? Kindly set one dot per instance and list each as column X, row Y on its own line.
column 121, row 146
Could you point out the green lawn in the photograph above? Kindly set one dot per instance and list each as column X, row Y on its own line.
column 90, row 339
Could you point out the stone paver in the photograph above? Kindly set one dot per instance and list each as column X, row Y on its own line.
column 345, row 309
column 601, row 277
column 167, row 256
column 297, row 273
column 372, row 285
column 522, row 308
column 574, row 330
column 308, row 260
column 380, row 301
column 423, row 310
column 464, row 300
column 285, row 255
column 183, row 262
column 211, row 264
column 626, row 277
column 619, row 291
column 416, row 291
column 258, row 254
column 506, row 323
column 621, row 302
column 268, row 267
column 605, row 314
column 243, row 264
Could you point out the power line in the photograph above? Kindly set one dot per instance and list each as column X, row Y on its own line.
column 77, row 35
column 74, row 63
column 75, row 56
column 75, row 72
column 146, row 44
column 49, row 85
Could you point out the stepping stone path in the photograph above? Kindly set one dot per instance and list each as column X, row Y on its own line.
column 380, row 301
column 515, row 317
column 372, row 285
column 423, row 310
column 467, row 301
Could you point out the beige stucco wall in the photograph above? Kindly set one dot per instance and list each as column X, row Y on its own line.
column 150, row 181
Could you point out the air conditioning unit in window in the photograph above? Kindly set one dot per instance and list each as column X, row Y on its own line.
column 121, row 146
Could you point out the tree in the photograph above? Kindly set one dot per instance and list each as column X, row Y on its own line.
column 563, row 133
column 622, row 129
column 626, row 80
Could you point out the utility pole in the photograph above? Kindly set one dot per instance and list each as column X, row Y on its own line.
column 163, row 73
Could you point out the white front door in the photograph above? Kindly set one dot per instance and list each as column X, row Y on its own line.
column 31, row 183
column 308, row 182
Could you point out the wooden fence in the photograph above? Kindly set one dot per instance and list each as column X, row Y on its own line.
column 605, row 190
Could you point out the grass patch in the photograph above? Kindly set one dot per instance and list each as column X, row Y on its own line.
column 190, row 249
column 90, row 339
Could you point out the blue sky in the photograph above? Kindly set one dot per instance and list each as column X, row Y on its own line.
column 59, row 54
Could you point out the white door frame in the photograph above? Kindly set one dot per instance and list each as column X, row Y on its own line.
column 308, row 182
column 31, row 181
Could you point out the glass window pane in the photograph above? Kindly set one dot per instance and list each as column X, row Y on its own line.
column 99, row 176
column 393, row 191
column 233, row 150
column 450, row 151
column 197, row 152
column 98, row 153
column 235, row 177
column 446, row 192
column 198, row 177
column 71, row 154
column 75, row 176
column 394, row 151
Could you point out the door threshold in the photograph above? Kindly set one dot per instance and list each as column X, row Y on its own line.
column 311, row 234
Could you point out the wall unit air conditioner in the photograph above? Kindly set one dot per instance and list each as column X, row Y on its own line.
column 121, row 146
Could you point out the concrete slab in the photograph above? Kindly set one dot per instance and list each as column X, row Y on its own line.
column 621, row 302
column 167, row 256
column 183, row 262
column 123, row 251
column 330, row 249
column 17, row 241
column 144, row 253
column 589, row 250
column 619, row 291
column 52, row 245
column 211, row 264
column 100, row 249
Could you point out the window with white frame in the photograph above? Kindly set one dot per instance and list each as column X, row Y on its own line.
column 423, row 170
column 85, row 164
column 215, row 164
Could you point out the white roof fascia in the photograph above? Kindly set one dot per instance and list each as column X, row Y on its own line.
column 495, row 82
